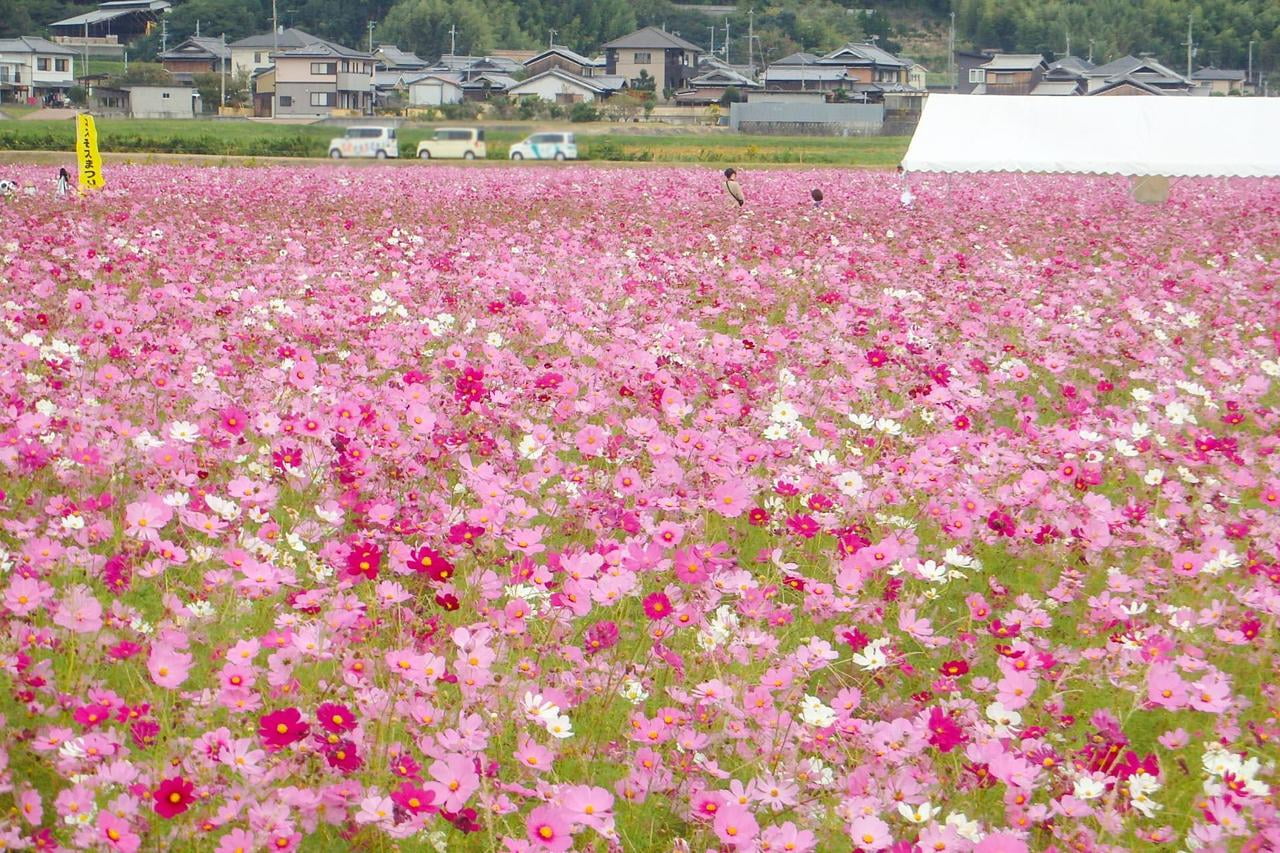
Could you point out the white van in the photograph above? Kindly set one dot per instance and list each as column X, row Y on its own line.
column 377, row 142
column 465, row 143
column 546, row 146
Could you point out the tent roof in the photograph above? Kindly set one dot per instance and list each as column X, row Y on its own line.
column 1177, row 137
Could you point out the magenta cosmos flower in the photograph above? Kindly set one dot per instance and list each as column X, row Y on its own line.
column 173, row 797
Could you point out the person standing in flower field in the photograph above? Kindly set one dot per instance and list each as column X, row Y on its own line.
column 732, row 188
column 64, row 182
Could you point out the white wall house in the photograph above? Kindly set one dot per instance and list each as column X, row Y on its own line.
column 559, row 87
column 37, row 67
column 434, row 90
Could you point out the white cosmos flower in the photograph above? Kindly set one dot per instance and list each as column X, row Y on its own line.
column 1088, row 788
column 1154, row 477
column 922, row 813
column 184, row 432
column 862, row 421
column 1007, row 722
column 1124, row 448
column 228, row 510
column 965, row 827
column 784, row 413
column 873, row 656
column 776, row 432
column 1179, row 413
column 559, row 726
column 849, row 483
column 933, row 572
column 815, row 713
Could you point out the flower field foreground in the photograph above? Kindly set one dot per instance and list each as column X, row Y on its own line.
column 565, row 509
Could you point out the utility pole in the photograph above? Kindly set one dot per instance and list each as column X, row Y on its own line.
column 1068, row 42
column 726, row 39
column 1091, row 50
column 164, row 34
column 1249, row 73
column 713, row 39
column 222, row 66
column 275, row 48
column 1189, row 44
column 197, row 28
column 751, row 33
column 371, row 26
column 453, row 40
column 551, row 37
column 951, row 53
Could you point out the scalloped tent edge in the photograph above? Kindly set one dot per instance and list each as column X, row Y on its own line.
column 1151, row 137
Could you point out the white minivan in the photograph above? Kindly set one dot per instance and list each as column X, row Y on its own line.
column 379, row 142
column 546, row 146
column 458, row 143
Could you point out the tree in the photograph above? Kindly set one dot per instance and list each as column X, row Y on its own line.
column 235, row 18
column 144, row 74
column 732, row 95
column 14, row 19
column 423, row 26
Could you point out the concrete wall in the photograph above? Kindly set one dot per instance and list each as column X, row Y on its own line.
column 161, row 102
column 807, row 119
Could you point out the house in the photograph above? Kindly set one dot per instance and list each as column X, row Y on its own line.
column 197, row 55
column 806, row 78
column 1012, row 73
column 970, row 75
column 1220, row 81
column 391, row 58
column 434, row 90
column 470, row 66
column 482, row 87
column 866, row 63
column 113, row 22
column 253, row 53
column 710, row 87
column 918, row 76
column 263, row 85
column 561, row 87
column 1142, row 73
column 665, row 58
column 1127, row 86
column 323, row 79
column 37, row 68
column 563, row 58
column 145, row 101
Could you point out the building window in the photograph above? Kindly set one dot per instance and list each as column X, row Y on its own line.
column 60, row 65
column 42, row 64
column 977, row 75
column 164, row 95
column 257, row 58
column 323, row 68
column 641, row 59
column 323, row 99
column 286, row 101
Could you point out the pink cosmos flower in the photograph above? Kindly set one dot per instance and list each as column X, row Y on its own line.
column 548, row 829
column 168, row 667
column 870, row 833
column 588, row 805
column 116, row 834
column 734, row 825
column 454, row 781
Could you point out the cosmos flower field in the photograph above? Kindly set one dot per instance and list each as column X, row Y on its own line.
column 575, row 509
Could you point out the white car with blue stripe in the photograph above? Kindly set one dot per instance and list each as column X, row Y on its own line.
column 546, row 146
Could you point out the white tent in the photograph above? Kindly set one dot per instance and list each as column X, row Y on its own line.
column 1124, row 135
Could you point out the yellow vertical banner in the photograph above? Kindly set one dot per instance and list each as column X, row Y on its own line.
column 87, row 157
